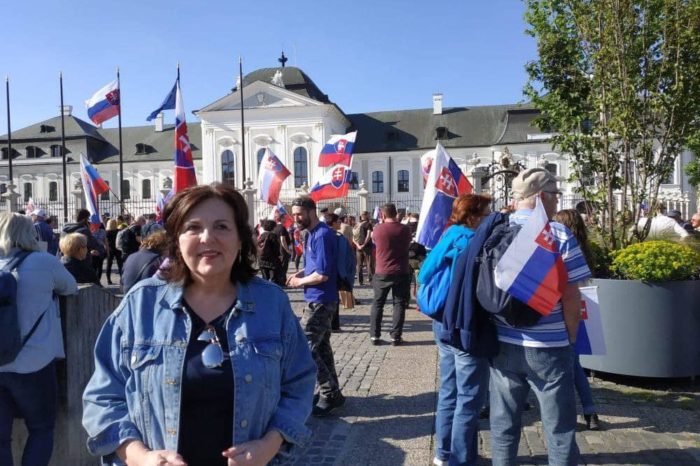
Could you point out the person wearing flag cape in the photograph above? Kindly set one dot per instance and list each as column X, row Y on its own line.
column 548, row 264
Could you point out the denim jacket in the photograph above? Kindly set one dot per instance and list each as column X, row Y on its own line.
column 135, row 391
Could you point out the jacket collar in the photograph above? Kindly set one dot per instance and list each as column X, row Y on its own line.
column 171, row 296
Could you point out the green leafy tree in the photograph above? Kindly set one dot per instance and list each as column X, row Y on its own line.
column 618, row 83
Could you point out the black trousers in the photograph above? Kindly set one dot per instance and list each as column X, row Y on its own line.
column 399, row 285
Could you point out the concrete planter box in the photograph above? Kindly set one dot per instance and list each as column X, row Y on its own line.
column 651, row 329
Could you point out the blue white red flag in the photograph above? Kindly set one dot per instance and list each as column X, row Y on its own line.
column 298, row 246
column 338, row 150
column 104, row 104
column 185, row 175
column 333, row 184
column 160, row 204
column 590, row 339
column 168, row 103
column 271, row 177
column 532, row 269
column 93, row 186
column 445, row 183
column 284, row 215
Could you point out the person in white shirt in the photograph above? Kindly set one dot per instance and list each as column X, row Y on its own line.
column 662, row 227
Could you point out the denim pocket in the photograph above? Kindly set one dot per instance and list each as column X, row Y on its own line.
column 269, row 353
column 143, row 361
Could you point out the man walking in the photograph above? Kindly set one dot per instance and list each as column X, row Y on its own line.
column 319, row 279
column 285, row 249
column 392, row 273
column 539, row 357
column 362, row 237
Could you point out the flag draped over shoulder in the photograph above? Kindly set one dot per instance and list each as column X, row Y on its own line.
column 271, row 177
column 590, row 339
column 532, row 269
column 333, row 184
column 104, row 104
column 444, row 184
column 185, row 175
column 338, row 150
column 93, row 186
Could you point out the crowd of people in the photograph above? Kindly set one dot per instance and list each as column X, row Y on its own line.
column 204, row 362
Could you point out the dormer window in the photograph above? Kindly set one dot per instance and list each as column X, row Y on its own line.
column 441, row 132
column 47, row 129
column 33, row 152
column 392, row 136
column 143, row 149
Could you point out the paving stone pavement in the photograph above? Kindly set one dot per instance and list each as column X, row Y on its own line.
column 389, row 416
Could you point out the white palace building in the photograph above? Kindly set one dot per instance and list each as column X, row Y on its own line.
column 285, row 111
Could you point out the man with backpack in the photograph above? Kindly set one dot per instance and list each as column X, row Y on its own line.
column 129, row 239
column 391, row 273
column 539, row 356
column 320, row 281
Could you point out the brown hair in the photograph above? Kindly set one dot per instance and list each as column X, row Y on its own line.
column 156, row 241
column 469, row 207
column 177, row 210
column 389, row 210
column 572, row 219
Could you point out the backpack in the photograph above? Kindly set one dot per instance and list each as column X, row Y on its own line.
column 11, row 341
column 126, row 241
column 269, row 245
column 432, row 294
column 491, row 298
column 346, row 263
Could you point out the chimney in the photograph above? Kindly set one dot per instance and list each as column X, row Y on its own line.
column 160, row 118
column 437, row 104
column 67, row 110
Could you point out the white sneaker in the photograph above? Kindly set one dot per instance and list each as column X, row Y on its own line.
column 438, row 462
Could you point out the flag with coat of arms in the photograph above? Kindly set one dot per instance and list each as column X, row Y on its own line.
column 93, row 186
column 590, row 339
column 271, row 177
column 338, row 150
column 333, row 184
column 444, row 184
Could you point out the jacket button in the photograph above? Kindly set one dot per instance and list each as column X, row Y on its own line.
column 170, row 381
column 171, row 431
column 244, row 423
column 248, row 378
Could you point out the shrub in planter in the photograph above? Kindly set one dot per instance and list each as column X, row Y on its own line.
column 655, row 261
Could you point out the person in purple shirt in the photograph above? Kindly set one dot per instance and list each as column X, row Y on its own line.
column 319, row 279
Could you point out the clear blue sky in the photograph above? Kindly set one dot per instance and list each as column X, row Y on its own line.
column 367, row 55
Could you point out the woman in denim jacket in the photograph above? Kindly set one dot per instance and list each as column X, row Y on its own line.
column 208, row 367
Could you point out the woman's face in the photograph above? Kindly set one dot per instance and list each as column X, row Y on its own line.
column 209, row 241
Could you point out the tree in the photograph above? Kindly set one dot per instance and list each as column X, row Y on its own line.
column 618, row 83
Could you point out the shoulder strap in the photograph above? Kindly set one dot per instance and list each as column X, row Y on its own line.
column 146, row 266
column 16, row 260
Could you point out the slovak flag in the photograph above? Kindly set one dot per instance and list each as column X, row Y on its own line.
column 590, row 339
column 338, row 150
column 532, row 269
column 185, row 175
column 161, row 201
column 93, row 186
column 271, row 177
column 104, row 104
column 283, row 215
column 335, row 183
column 445, row 183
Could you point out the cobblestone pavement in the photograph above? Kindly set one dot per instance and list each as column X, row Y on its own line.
column 391, row 394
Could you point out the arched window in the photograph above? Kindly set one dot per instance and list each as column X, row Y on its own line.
column 354, row 180
column 402, row 180
column 300, row 167
column 377, row 182
column 27, row 191
column 53, row 191
column 260, row 155
column 145, row 189
column 126, row 189
column 227, row 168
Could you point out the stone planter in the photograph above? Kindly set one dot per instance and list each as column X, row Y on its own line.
column 651, row 329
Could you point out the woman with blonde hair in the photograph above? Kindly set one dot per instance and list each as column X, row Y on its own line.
column 74, row 247
column 28, row 377
column 113, row 254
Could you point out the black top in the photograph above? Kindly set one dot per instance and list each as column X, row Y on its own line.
column 282, row 232
column 206, row 411
column 112, row 240
column 81, row 272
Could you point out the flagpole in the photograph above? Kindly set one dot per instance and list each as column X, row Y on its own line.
column 121, row 159
column 63, row 154
column 9, row 130
column 240, row 91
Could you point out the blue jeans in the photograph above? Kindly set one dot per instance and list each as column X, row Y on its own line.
column 463, row 384
column 583, row 388
column 549, row 373
column 32, row 396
